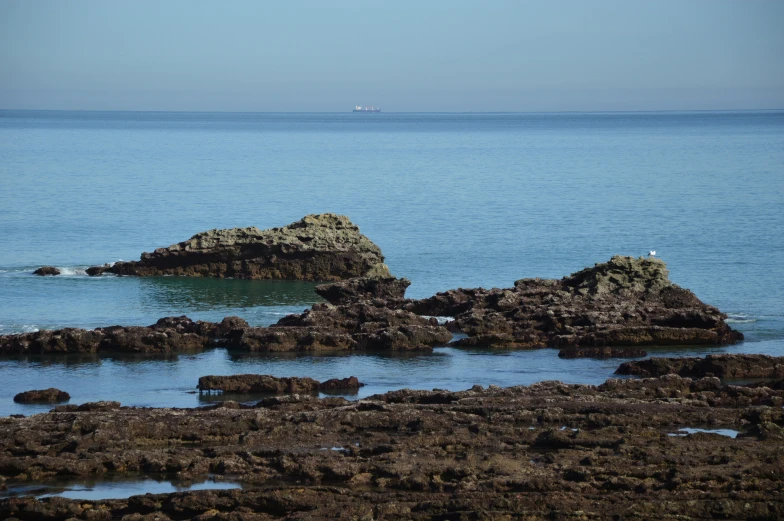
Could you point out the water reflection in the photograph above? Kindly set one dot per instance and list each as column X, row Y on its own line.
column 112, row 487
column 208, row 294
column 170, row 381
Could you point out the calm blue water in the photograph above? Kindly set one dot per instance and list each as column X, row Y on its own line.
column 452, row 199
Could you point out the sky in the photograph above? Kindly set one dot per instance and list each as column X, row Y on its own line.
column 329, row 55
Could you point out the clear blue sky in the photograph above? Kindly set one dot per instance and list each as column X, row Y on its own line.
column 300, row 55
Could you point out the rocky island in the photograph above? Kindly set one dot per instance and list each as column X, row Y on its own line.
column 321, row 247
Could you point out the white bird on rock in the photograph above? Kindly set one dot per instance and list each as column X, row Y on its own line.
column 652, row 253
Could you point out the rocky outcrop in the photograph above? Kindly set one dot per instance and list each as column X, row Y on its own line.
column 623, row 302
column 257, row 383
column 358, row 325
column 47, row 270
column 95, row 271
column 390, row 289
column 324, row 327
column 169, row 334
column 545, row 451
column 324, row 247
column 50, row 395
column 722, row 366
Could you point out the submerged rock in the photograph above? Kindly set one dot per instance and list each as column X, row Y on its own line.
column 47, row 270
column 324, row 247
column 722, row 366
column 50, row 395
column 602, row 352
column 623, row 302
column 257, row 383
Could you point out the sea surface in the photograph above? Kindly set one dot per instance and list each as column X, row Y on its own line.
column 453, row 200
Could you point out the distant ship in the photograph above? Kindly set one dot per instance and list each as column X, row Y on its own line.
column 371, row 108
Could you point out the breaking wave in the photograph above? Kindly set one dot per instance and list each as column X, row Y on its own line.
column 739, row 318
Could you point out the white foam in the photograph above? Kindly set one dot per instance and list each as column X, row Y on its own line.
column 70, row 271
column 740, row 318
column 441, row 320
column 730, row 433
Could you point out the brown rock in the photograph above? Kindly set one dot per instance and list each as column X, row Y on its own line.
column 50, row 395
column 364, row 288
column 722, row 366
column 254, row 383
column 47, row 270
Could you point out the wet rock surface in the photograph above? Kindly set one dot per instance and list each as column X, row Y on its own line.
column 723, row 366
column 257, row 383
column 549, row 450
column 623, row 302
column 47, row 271
column 50, row 395
column 323, row 247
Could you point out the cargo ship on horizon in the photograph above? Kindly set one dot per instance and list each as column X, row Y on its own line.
column 371, row 108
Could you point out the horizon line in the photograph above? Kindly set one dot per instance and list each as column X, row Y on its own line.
column 394, row 112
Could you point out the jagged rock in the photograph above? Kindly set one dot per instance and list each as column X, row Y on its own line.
column 623, row 302
column 324, row 247
column 47, row 270
column 50, row 395
column 254, row 383
column 722, row 366
column 364, row 288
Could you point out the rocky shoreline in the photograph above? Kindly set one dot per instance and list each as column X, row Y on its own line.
column 549, row 450
column 722, row 366
column 620, row 450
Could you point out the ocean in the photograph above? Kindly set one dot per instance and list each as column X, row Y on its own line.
column 453, row 200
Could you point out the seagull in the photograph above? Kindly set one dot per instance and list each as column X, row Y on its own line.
column 652, row 253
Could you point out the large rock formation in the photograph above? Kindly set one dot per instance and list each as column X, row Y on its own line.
column 324, row 247
column 623, row 302
column 722, row 366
